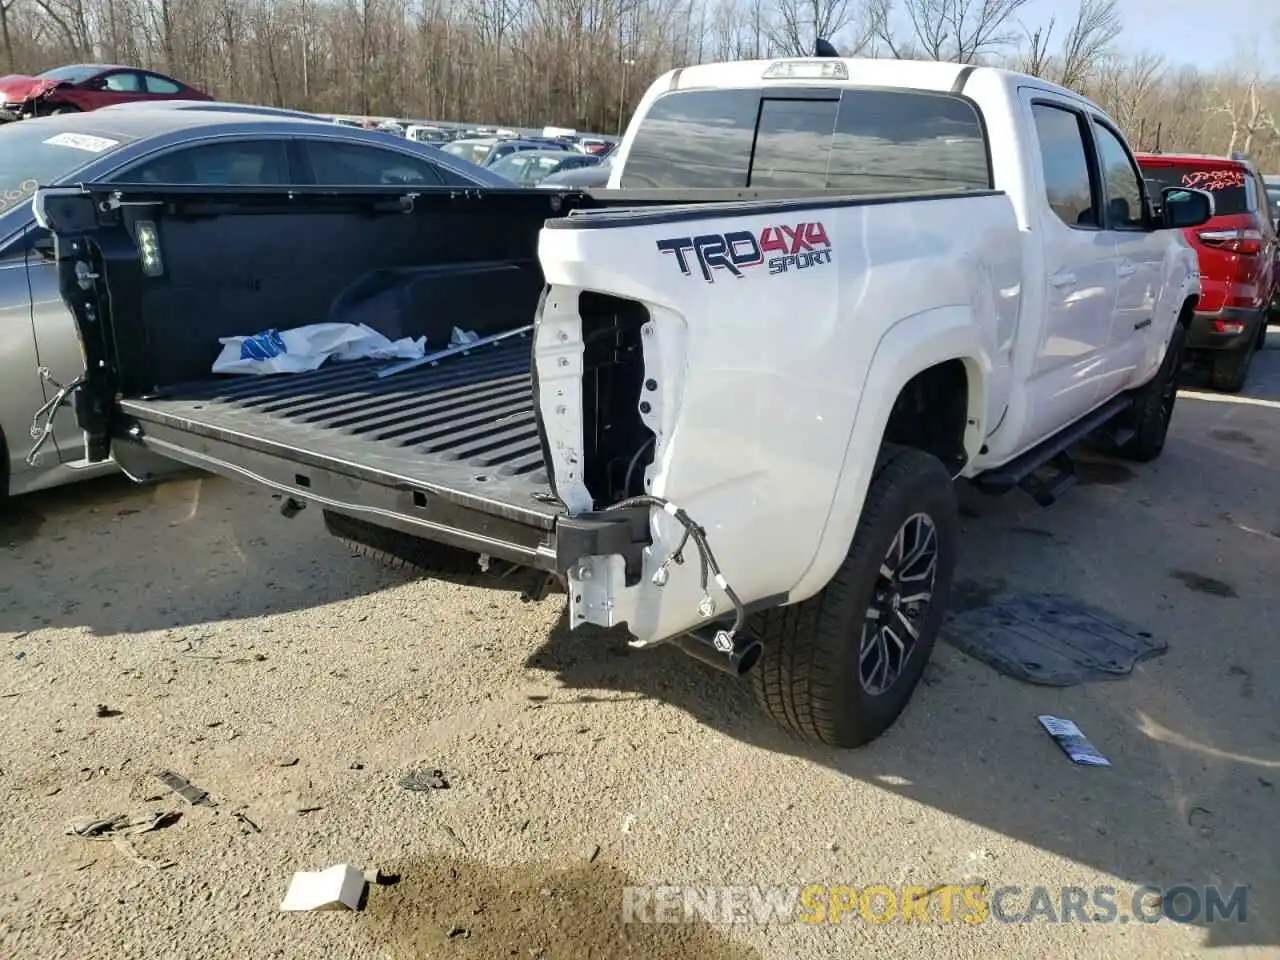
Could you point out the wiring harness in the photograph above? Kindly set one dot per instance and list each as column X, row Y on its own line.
column 41, row 432
column 710, row 569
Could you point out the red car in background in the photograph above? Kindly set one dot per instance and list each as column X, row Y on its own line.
column 1239, row 255
column 84, row 87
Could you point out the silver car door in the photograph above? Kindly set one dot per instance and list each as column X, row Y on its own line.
column 57, row 345
column 20, row 393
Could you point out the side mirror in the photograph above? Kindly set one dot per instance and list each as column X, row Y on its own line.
column 1181, row 207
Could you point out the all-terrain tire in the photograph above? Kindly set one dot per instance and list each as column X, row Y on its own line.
column 1153, row 405
column 1230, row 369
column 401, row 551
column 808, row 675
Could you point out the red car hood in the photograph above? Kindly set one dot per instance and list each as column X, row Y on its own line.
column 17, row 88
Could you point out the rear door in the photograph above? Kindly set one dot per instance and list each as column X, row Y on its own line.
column 119, row 86
column 1139, row 263
column 20, row 391
column 1079, row 270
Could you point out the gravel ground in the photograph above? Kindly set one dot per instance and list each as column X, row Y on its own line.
column 192, row 627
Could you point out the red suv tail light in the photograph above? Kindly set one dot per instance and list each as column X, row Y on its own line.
column 1246, row 241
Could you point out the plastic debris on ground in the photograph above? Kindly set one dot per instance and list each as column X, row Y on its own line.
column 1050, row 639
column 120, row 824
column 332, row 889
column 421, row 779
column 184, row 788
column 1073, row 742
column 307, row 348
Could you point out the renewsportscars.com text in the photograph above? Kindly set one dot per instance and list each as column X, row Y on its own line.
column 968, row 904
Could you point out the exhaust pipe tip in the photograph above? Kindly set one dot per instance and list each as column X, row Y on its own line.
column 700, row 644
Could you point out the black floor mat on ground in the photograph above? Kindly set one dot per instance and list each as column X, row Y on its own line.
column 1049, row 639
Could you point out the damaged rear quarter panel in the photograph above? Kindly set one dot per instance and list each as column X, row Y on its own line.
column 759, row 374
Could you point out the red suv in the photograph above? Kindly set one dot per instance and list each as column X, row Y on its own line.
column 1239, row 253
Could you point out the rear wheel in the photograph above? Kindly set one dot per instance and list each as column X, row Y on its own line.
column 400, row 551
column 1153, row 404
column 1231, row 368
column 840, row 667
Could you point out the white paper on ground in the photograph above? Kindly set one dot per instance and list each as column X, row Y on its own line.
column 306, row 348
column 331, row 889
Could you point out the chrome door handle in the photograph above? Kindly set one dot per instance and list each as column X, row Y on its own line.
column 1064, row 279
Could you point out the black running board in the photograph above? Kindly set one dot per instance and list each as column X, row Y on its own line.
column 1046, row 470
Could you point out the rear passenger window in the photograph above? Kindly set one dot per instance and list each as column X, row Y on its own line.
column 890, row 141
column 701, row 138
column 1066, row 166
column 338, row 164
column 793, row 143
column 160, row 85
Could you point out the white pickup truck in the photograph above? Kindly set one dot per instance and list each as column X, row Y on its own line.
column 821, row 291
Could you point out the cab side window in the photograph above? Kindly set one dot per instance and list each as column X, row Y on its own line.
column 1125, row 208
column 1064, row 159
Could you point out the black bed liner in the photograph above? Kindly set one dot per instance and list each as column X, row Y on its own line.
column 458, row 435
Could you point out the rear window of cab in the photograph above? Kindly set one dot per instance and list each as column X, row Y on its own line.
column 857, row 141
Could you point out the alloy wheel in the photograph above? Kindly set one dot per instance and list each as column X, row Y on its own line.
column 899, row 604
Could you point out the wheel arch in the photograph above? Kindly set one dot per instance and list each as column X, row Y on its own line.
column 941, row 351
column 1188, row 309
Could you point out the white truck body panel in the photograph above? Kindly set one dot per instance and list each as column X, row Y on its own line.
column 1049, row 320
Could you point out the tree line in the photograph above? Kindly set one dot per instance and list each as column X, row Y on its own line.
column 585, row 63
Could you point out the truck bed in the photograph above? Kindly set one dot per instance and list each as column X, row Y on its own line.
column 459, row 435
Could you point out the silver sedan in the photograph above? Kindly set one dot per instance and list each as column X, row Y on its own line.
column 174, row 144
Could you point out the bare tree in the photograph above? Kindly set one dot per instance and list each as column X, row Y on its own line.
column 1243, row 102
column 585, row 63
column 799, row 23
column 1096, row 27
column 964, row 31
column 1086, row 44
column 6, row 38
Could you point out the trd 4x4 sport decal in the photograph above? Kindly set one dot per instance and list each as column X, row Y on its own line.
column 797, row 248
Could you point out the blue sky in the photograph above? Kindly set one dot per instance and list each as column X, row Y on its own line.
column 1201, row 32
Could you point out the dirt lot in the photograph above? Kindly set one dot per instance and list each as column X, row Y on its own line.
column 297, row 683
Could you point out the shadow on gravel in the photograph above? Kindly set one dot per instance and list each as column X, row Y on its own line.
column 1194, row 736
column 190, row 551
column 445, row 906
